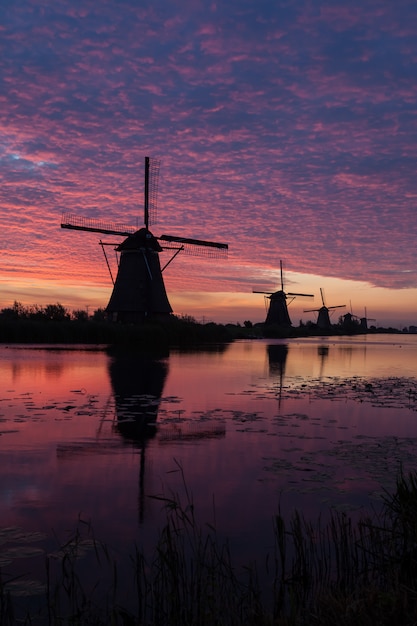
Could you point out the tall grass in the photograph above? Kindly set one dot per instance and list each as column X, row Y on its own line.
column 339, row 572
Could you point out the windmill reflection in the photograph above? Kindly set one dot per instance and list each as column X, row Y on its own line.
column 323, row 353
column 137, row 387
column 277, row 358
column 138, row 382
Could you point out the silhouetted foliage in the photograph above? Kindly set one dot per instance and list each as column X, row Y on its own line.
column 54, row 323
column 99, row 315
column 80, row 315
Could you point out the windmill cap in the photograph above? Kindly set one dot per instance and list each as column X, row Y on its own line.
column 142, row 238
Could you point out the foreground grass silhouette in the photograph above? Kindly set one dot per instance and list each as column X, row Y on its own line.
column 340, row 572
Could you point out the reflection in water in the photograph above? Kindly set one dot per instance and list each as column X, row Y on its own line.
column 334, row 443
column 137, row 380
column 277, row 357
column 51, row 370
column 138, row 383
column 323, row 352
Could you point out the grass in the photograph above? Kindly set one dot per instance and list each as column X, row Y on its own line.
column 350, row 573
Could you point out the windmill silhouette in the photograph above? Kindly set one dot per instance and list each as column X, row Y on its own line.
column 354, row 322
column 364, row 321
column 278, row 306
column 351, row 322
column 323, row 318
column 139, row 289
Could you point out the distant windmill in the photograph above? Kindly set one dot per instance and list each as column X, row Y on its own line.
column 364, row 321
column 278, row 308
column 139, row 289
column 351, row 322
column 354, row 322
column 323, row 318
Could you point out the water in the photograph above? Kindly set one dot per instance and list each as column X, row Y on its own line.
column 314, row 424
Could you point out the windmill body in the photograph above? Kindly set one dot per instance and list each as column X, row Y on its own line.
column 278, row 310
column 278, row 307
column 323, row 318
column 350, row 322
column 139, row 290
column 364, row 321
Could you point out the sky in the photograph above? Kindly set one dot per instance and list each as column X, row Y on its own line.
column 285, row 128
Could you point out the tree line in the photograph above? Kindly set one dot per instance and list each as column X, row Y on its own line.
column 50, row 312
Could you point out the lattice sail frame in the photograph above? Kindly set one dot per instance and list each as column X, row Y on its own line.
column 197, row 250
column 154, row 165
column 77, row 222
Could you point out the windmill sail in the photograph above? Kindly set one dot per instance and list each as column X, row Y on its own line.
column 198, row 247
column 151, row 190
column 92, row 225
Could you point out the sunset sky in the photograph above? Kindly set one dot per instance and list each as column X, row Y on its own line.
column 285, row 128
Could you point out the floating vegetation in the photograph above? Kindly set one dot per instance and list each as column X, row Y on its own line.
column 394, row 392
column 391, row 392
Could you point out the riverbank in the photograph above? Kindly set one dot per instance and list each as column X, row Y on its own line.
column 175, row 331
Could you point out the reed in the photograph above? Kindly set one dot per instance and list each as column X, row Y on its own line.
column 319, row 574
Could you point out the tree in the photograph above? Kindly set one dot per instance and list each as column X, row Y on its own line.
column 17, row 311
column 99, row 315
column 80, row 315
column 56, row 312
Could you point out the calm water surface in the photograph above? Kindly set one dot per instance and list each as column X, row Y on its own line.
column 312, row 424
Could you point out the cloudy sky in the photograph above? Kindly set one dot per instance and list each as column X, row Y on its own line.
column 285, row 128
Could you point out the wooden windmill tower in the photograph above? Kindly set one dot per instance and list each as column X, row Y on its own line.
column 139, row 289
column 323, row 318
column 278, row 306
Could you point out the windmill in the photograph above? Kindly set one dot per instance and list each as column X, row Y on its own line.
column 323, row 318
column 278, row 307
column 351, row 322
column 139, row 289
column 364, row 321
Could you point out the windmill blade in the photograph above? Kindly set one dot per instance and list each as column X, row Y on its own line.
column 305, row 295
column 76, row 222
column 311, row 310
column 198, row 247
column 194, row 242
column 151, row 190
column 266, row 293
column 338, row 306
